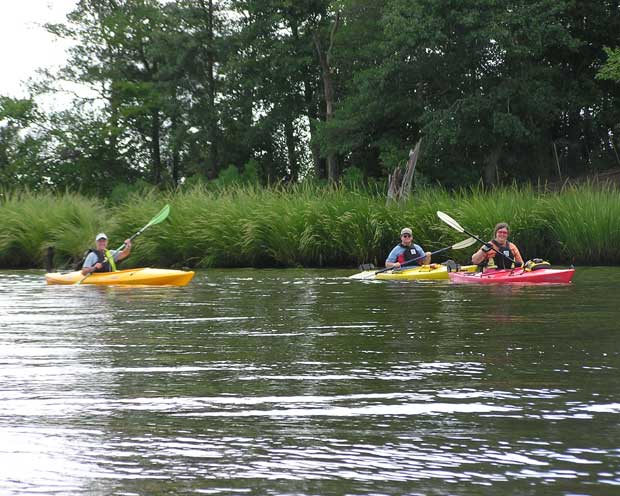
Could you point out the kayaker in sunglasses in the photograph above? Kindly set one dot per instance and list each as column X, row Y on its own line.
column 406, row 250
column 103, row 260
column 486, row 256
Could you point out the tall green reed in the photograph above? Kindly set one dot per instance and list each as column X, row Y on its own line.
column 584, row 223
column 308, row 225
column 32, row 222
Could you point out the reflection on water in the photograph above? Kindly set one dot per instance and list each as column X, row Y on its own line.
column 305, row 382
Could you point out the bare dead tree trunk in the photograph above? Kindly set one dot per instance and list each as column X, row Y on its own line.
column 400, row 181
column 557, row 160
column 613, row 147
column 328, row 90
column 491, row 170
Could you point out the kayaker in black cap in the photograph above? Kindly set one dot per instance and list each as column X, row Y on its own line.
column 406, row 250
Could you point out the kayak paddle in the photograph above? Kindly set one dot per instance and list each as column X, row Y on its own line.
column 160, row 217
column 455, row 225
column 457, row 246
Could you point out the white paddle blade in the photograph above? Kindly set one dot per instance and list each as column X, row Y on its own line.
column 450, row 221
column 464, row 244
column 367, row 275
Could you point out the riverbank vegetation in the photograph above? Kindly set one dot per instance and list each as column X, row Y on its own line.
column 306, row 225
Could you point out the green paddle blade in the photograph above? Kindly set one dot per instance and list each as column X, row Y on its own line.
column 450, row 221
column 160, row 217
column 464, row 244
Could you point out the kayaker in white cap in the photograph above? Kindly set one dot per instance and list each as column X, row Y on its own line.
column 103, row 260
column 406, row 250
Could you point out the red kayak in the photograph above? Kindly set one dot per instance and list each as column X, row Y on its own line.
column 512, row 276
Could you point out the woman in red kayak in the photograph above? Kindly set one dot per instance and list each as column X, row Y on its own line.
column 487, row 255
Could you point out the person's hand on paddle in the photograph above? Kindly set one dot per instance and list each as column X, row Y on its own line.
column 94, row 268
column 487, row 247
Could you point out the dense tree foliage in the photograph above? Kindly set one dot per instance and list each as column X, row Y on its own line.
column 281, row 90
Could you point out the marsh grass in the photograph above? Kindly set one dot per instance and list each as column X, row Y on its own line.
column 30, row 223
column 584, row 221
column 308, row 225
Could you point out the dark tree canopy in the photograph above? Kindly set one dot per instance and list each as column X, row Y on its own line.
column 281, row 91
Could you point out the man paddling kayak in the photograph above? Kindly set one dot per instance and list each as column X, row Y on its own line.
column 507, row 250
column 103, row 260
column 406, row 250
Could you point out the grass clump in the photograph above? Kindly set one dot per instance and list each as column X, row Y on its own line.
column 30, row 223
column 584, row 223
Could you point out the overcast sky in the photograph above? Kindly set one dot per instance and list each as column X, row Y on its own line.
column 25, row 44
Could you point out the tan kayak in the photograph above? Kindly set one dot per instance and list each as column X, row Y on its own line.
column 134, row 277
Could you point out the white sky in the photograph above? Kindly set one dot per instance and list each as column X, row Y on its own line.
column 26, row 46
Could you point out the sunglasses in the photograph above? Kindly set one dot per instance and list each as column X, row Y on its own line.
column 502, row 231
column 405, row 235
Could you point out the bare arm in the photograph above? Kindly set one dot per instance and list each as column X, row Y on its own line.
column 484, row 253
column 125, row 251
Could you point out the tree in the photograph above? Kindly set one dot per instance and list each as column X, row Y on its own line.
column 611, row 69
column 134, row 54
column 190, row 87
column 278, row 70
column 611, row 72
column 17, row 148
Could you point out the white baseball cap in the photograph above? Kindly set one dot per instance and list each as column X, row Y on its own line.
column 100, row 236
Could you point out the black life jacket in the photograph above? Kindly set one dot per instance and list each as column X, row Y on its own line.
column 501, row 262
column 105, row 266
column 408, row 254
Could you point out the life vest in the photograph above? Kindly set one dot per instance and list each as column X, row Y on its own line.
column 409, row 253
column 501, row 262
column 106, row 260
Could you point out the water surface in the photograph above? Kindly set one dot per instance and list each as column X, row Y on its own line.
column 304, row 382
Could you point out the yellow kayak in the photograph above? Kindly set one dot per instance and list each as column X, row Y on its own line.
column 432, row 272
column 134, row 277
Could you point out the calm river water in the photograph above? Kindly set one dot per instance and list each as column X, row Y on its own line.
column 269, row 382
